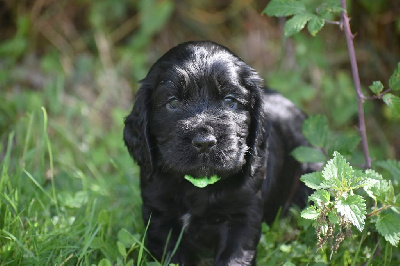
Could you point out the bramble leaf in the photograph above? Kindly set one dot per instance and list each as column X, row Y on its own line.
column 282, row 8
column 307, row 154
column 344, row 144
column 313, row 180
column 316, row 130
column 315, row 25
column 311, row 213
column 388, row 225
column 353, row 208
column 296, row 23
column 328, row 7
column 394, row 81
column 376, row 87
column 393, row 102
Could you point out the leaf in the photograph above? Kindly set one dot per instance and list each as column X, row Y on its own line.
column 125, row 237
column 353, row 209
column 154, row 15
column 381, row 190
column 296, row 23
column 316, row 130
column 344, row 144
column 97, row 243
column 202, row 182
column 333, row 217
column 311, row 213
column 315, row 25
column 313, row 180
column 104, row 262
column 320, row 196
column 282, row 8
column 103, row 217
column 307, row 154
column 394, row 81
column 329, row 6
column 388, row 225
column 338, row 172
column 391, row 166
column 121, row 248
column 376, row 87
column 393, row 102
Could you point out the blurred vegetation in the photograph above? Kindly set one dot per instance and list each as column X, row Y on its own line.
column 69, row 191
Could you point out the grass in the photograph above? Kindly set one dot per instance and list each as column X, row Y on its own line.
column 66, row 200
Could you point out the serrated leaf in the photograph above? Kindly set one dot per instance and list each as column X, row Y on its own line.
column 391, row 166
column 328, row 7
column 388, row 225
column 319, row 197
column 376, row 87
column 296, row 23
column 308, row 155
column 394, row 81
column 381, row 190
column 311, row 213
column 393, row 102
column 315, row 25
column 372, row 174
column 353, row 209
column 313, row 180
column 282, row 8
column 316, row 130
column 338, row 173
column 344, row 144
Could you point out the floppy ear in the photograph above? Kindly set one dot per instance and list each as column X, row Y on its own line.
column 259, row 128
column 136, row 132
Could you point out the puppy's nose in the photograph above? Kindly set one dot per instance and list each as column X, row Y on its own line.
column 204, row 143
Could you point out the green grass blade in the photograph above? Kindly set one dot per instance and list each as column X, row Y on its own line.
column 30, row 253
column 87, row 244
column 6, row 161
column 50, row 153
column 38, row 185
column 140, row 255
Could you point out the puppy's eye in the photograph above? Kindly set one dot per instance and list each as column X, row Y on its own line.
column 173, row 104
column 230, row 102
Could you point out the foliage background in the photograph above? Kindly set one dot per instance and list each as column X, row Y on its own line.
column 69, row 191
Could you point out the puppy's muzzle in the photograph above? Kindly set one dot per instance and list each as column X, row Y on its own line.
column 204, row 143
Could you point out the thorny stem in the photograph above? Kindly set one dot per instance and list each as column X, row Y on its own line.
column 356, row 79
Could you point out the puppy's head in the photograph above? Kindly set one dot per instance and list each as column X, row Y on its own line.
column 198, row 112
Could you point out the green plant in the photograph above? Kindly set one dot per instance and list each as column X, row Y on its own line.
column 338, row 202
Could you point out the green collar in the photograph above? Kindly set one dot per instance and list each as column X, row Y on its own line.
column 202, row 181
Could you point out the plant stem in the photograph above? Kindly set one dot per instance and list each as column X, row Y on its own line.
column 377, row 211
column 356, row 79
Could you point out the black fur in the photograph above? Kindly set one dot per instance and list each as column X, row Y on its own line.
column 202, row 111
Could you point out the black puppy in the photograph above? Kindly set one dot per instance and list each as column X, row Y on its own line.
column 201, row 112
